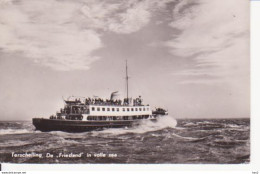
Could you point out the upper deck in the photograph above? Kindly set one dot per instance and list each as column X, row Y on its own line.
column 100, row 107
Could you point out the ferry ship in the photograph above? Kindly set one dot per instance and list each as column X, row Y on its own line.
column 86, row 114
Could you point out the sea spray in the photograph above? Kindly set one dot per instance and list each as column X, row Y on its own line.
column 143, row 127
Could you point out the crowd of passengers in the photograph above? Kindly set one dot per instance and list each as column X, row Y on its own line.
column 74, row 110
column 100, row 101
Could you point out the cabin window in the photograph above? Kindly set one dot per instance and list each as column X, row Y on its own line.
column 113, row 109
column 108, row 109
column 127, row 109
column 136, row 109
column 143, row 109
column 123, row 109
column 132, row 109
column 147, row 109
column 103, row 109
column 140, row 109
column 93, row 108
column 98, row 109
column 117, row 109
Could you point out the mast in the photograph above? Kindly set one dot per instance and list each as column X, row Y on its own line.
column 127, row 83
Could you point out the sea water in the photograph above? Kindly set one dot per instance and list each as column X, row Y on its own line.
column 185, row 141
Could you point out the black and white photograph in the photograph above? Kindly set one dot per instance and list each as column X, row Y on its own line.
column 125, row 82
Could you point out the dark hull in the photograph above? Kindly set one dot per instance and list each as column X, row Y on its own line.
column 47, row 125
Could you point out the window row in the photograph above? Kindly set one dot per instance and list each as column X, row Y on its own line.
column 109, row 118
column 118, row 109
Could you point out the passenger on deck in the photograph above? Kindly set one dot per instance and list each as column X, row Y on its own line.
column 117, row 102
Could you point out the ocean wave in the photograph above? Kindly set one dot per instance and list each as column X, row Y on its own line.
column 190, row 124
column 239, row 128
column 189, row 138
column 61, row 133
column 14, row 131
column 227, row 143
column 63, row 141
column 243, row 141
column 13, row 143
column 60, row 137
column 204, row 122
column 233, row 126
column 69, row 135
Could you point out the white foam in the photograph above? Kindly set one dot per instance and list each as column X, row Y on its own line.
column 233, row 126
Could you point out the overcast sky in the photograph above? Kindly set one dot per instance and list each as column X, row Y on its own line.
column 189, row 56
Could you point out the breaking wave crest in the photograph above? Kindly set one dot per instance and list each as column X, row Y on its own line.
column 14, row 131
